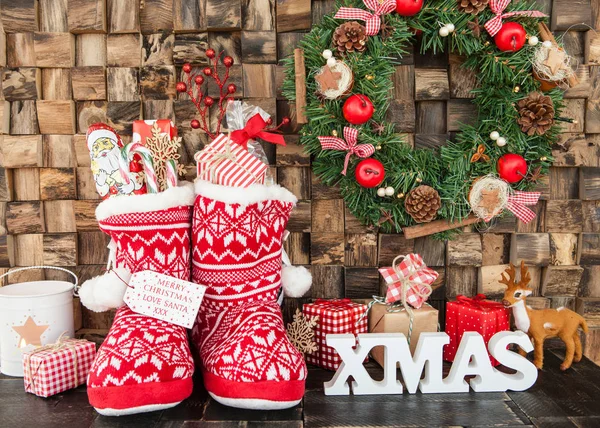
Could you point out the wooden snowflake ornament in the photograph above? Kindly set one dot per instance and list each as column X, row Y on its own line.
column 164, row 148
column 301, row 332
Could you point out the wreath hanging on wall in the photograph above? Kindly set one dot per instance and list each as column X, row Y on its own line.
column 350, row 60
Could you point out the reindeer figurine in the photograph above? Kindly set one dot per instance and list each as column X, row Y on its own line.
column 544, row 323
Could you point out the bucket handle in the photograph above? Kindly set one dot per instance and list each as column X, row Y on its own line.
column 75, row 287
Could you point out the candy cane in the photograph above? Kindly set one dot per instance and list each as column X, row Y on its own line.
column 171, row 165
column 147, row 162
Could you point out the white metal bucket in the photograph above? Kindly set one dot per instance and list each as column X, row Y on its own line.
column 32, row 314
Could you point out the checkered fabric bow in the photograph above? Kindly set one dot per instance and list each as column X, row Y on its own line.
column 409, row 281
column 351, row 136
column 372, row 20
column 516, row 205
column 497, row 6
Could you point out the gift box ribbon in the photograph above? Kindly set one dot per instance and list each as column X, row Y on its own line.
column 497, row 6
column 350, row 145
column 219, row 157
column 60, row 344
column 410, row 274
column 372, row 20
column 337, row 303
column 255, row 128
column 479, row 302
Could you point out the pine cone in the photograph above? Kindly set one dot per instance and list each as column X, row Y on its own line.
column 423, row 203
column 537, row 114
column 349, row 37
column 472, row 6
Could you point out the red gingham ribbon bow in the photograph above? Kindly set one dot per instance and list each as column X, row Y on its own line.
column 372, row 20
column 516, row 205
column 498, row 6
column 351, row 136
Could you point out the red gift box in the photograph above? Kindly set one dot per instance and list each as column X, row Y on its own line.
column 226, row 163
column 336, row 316
column 474, row 314
column 55, row 368
column 142, row 129
column 411, row 273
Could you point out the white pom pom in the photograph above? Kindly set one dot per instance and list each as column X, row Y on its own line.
column 327, row 54
column 389, row 191
column 450, row 27
column 331, row 62
column 501, row 142
column 444, row 31
column 381, row 192
column 494, row 135
column 105, row 292
column 547, row 44
column 296, row 280
column 533, row 40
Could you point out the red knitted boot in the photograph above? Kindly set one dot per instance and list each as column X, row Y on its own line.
column 247, row 359
column 144, row 364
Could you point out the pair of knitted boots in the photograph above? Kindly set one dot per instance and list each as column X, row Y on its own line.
column 231, row 241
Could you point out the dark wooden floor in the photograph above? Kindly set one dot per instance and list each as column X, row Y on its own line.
column 570, row 399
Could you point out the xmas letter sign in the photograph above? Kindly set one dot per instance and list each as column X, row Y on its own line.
column 471, row 359
column 164, row 297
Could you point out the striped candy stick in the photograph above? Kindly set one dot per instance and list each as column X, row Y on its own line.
column 171, row 167
column 147, row 162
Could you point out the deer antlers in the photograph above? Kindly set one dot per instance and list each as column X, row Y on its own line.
column 512, row 273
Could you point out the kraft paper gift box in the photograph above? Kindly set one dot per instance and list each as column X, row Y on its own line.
column 58, row 367
column 335, row 316
column 385, row 318
column 229, row 164
column 477, row 314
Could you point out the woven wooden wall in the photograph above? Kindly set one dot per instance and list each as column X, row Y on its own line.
column 69, row 63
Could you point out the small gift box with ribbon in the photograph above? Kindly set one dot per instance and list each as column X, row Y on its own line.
column 227, row 163
column 336, row 316
column 409, row 281
column 58, row 367
column 142, row 130
column 476, row 314
column 394, row 318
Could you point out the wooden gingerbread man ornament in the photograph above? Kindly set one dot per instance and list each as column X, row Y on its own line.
column 544, row 323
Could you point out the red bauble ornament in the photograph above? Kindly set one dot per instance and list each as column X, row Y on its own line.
column 369, row 173
column 285, row 121
column 210, row 53
column 408, row 7
column 511, row 37
column 199, row 79
column 187, row 68
column 228, row 61
column 358, row 109
column 181, row 87
column 231, row 88
column 207, row 71
column 512, row 167
column 195, row 124
column 208, row 101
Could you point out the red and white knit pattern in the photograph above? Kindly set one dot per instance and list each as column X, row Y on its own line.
column 237, row 253
column 140, row 349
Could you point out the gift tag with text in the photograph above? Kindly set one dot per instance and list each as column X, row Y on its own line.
column 164, row 297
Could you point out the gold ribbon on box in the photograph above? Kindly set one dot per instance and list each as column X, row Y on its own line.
column 63, row 342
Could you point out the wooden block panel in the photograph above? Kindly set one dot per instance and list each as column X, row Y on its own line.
column 85, row 214
column 158, row 83
column 88, row 113
column 258, row 15
column 56, row 84
column 21, row 84
column 361, row 283
column 25, row 217
column 328, row 282
column 157, row 49
column 26, row 184
column 392, row 245
column 60, row 216
column 91, row 50
column 121, row 115
column 404, row 82
column 591, row 345
column 123, row 16
column 296, row 180
column 6, row 184
column 4, row 117
column 495, row 249
column 123, row 84
column 89, row 83
column 124, row 50
column 293, row 15
column 488, row 281
column 561, row 280
column 564, row 183
column 462, row 80
column 92, row 247
column 431, row 117
column 589, row 184
column 190, row 48
column 461, row 280
column 87, row 16
column 533, row 248
column 564, row 216
column 460, row 113
column 402, row 115
column 157, row 15
column 292, row 154
column 7, row 250
column 54, row 50
column 259, row 47
column 360, row 250
column 23, row 118
column 300, row 219
column 431, row 84
column 591, row 216
column 259, row 81
column 432, row 250
column 60, row 249
column 590, row 249
column 21, row 151
column 327, row 248
column 58, row 151
column 571, row 15
column 29, row 250
column 19, row 50
column 466, row 250
column 20, row 16
column 56, row 117
column 577, row 150
column 297, row 247
column 328, row 216
column 58, row 183
column 590, row 281
column 589, row 307
column 223, row 14
column 563, row 249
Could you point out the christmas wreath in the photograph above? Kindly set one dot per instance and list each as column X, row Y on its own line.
column 350, row 60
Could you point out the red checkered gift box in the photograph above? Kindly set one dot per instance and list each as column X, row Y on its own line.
column 408, row 281
column 477, row 314
column 336, row 316
column 229, row 164
column 58, row 367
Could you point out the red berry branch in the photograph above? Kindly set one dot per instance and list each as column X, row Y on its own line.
column 202, row 102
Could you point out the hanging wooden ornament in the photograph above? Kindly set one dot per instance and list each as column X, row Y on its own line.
column 301, row 333
column 335, row 81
